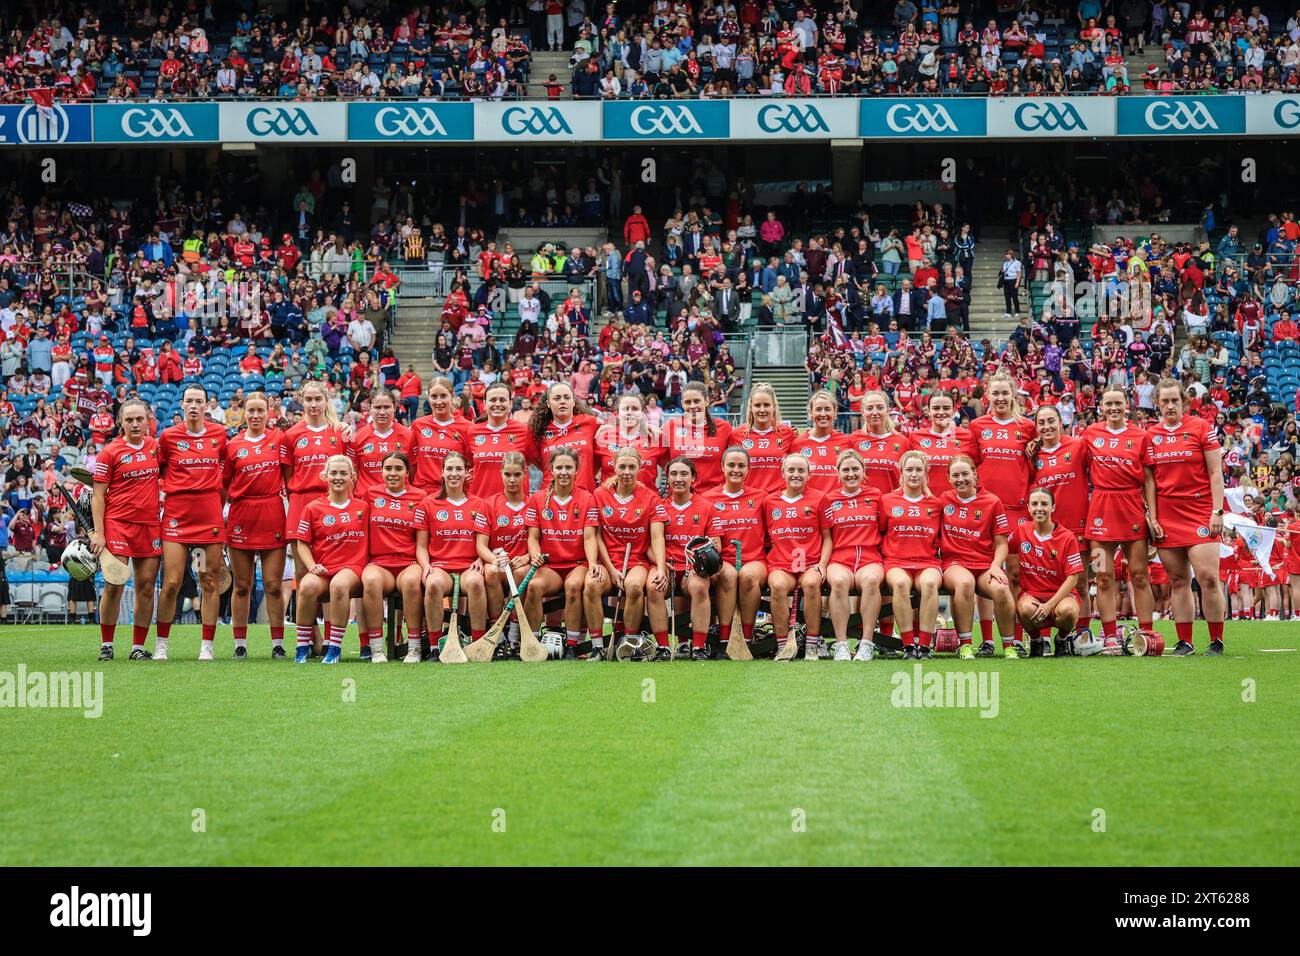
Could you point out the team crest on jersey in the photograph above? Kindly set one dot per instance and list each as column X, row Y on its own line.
column 503, row 522
column 979, row 515
column 1202, row 532
column 986, row 434
column 719, row 506
column 239, row 529
column 926, row 443
column 126, row 459
column 480, row 439
column 328, row 521
column 864, row 446
column 380, row 502
column 1067, row 456
column 426, row 432
column 1038, row 463
column 747, row 444
column 1101, row 443
column 607, row 511
column 1098, row 521
column 368, row 447
column 896, row 511
column 173, row 523
column 442, row 516
column 949, row 510
column 806, row 452
column 548, row 514
column 1157, row 440
column 157, row 543
column 182, row 446
column 1025, row 547
column 1134, row 527
column 776, row 514
column 302, row 443
column 836, row 505
column 243, row 453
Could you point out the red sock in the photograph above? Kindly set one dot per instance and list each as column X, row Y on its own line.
column 1184, row 629
column 106, row 632
column 209, row 632
column 1108, row 628
column 1143, row 625
column 886, row 626
column 661, row 638
column 620, row 630
column 241, row 633
column 908, row 637
column 277, row 632
column 1216, row 630
column 1020, row 632
column 475, row 635
column 724, row 632
column 986, row 631
column 138, row 633
column 926, row 638
column 748, row 631
column 698, row 638
column 164, row 629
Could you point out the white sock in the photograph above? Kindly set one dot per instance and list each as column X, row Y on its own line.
column 275, row 642
column 207, row 643
column 105, row 643
column 843, row 643
column 242, row 642
column 512, row 634
column 964, row 637
column 574, row 636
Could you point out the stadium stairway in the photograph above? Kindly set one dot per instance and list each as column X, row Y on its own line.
column 792, row 390
column 543, row 64
column 526, row 240
column 987, row 304
column 415, row 334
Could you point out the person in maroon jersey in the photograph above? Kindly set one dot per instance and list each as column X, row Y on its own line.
column 1050, row 569
column 254, row 486
column 910, row 522
column 738, row 516
column 973, row 545
column 125, row 512
column 392, row 565
column 766, row 439
column 853, row 515
column 332, row 543
column 191, row 462
column 632, row 517
column 564, row 525
column 1184, row 496
column 1116, row 514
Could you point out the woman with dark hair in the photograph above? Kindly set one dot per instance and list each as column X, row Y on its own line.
column 562, row 420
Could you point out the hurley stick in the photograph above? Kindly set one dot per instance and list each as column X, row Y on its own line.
column 452, row 652
column 737, row 646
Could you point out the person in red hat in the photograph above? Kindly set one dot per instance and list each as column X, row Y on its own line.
column 288, row 254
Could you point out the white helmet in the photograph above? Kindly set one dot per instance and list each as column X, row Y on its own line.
column 79, row 561
column 1087, row 644
column 553, row 641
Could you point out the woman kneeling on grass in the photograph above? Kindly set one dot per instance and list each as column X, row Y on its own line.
column 1050, row 570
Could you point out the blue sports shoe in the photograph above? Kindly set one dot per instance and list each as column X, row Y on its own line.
column 332, row 654
column 303, row 655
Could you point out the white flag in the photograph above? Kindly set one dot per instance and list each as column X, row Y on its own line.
column 1235, row 499
column 1258, row 539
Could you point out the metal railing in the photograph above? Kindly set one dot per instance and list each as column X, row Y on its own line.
column 779, row 346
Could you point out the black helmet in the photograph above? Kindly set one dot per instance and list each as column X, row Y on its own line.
column 704, row 557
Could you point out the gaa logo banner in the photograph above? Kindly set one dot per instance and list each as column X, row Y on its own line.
column 1054, row 117
column 410, row 122
column 544, row 121
column 793, row 119
column 31, row 125
column 937, row 117
column 1180, row 115
column 284, row 122
column 157, row 123
column 667, row 120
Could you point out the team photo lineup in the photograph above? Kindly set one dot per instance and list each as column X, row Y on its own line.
column 1009, row 518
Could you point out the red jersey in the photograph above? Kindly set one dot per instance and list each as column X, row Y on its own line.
column 487, row 445
column 854, row 521
column 252, row 467
column 304, row 452
column 562, row 522
column 131, row 472
column 368, row 449
column 609, row 442
column 508, row 530
column 431, row 440
column 1177, row 456
column 688, row 440
column 880, row 454
column 580, row 435
column 453, row 528
column 821, row 454
column 192, row 462
column 910, row 528
column 767, row 449
column 694, row 519
column 1062, row 470
column 968, row 527
column 794, row 528
column 1045, row 563
column 393, row 526
column 338, row 535
column 1115, row 458
column 999, row 451
column 625, row 521
column 940, row 450
column 739, row 517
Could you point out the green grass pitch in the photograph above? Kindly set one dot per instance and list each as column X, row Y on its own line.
column 1099, row 761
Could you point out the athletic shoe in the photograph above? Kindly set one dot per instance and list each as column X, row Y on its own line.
column 842, row 652
column 333, row 654
column 277, row 652
column 1064, row 647
column 106, row 652
column 366, row 653
column 434, row 653
column 1022, row 649
column 824, row 652
column 1215, row 649
column 699, row 653
column 160, row 651
column 413, row 653
column 205, row 651
column 1184, row 649
column 683, row 650
column 663, row 654
column 924, row 653
column 303, row 654
column 967, row 653
column 597, row 654
column 911, row 653
column 140, row 654
column 569, row 653
column 986, row 649
column 865, row 651
column 241, row 653
column 378, row 657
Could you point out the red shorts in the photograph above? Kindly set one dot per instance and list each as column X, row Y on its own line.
column 193, row 518
column 912, row 569
column 1116, row 516
column 1040, row 598
column 354, row 568
column 855, row 559
column 1293, row 563
column 297, row 501
column 975, row 572
column 130, row 539
column 1157, row 574
column 450, row 565
column 1252, row 577
column 391, row 565
column 256, row 524
column 1185, row 522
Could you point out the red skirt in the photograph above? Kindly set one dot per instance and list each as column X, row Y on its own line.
column 130, row 539
column 1116, row 516
column 256, row 524
column 193, row 518
column 1185, row 522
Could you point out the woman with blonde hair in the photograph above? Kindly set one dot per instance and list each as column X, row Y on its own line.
column 853, row 515
column 765, row 438
column 820, row 445
column 910, row 519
